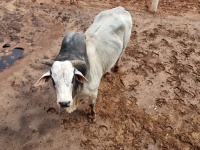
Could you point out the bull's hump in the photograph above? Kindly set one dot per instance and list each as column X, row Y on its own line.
column 73, row 47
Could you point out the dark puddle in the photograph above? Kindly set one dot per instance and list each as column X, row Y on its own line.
column 9, row 60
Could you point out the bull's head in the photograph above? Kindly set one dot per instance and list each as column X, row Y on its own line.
column 63, row 75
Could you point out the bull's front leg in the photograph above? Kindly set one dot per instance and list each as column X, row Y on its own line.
column 92, row 114
column 92, row 101
column 116, row 66
column 92, row 111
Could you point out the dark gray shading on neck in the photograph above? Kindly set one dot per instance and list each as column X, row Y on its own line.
column 74, row 48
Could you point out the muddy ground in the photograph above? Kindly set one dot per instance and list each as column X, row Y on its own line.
column 152, row 103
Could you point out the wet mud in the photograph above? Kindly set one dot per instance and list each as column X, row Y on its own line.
column 7, row 60
column 151, row 103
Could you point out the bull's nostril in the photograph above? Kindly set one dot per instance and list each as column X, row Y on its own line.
column 64, row 104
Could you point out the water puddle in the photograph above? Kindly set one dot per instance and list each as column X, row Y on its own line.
column 7, row 61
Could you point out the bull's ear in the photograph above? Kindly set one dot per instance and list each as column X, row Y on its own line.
column 45, row 77
column 79, row 76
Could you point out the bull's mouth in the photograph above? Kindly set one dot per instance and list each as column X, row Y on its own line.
column 69, row 106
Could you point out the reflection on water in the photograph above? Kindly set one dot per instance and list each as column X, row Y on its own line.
column 9, row 60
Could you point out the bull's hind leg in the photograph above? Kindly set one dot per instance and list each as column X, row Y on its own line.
column 116, row 66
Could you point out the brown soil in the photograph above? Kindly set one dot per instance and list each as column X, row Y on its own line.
column 152, row 103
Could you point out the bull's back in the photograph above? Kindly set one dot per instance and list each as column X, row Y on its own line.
column 109, row 35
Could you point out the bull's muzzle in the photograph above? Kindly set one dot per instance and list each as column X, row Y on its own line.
column 64, row 104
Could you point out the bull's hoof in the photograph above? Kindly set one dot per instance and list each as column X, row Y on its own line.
column 73, row 2
column 91, row 118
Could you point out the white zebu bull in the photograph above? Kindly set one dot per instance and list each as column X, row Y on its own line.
column 84, row 59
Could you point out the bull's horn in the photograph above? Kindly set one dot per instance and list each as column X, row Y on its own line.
column 48, row 62
column 77, row 62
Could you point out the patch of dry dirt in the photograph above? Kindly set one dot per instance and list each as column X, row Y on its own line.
column 151, row 103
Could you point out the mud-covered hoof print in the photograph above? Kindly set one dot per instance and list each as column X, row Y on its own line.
column 51, row 110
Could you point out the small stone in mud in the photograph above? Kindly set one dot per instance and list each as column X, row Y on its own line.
column 6, row 45
column 64, row 121
column 6, row 128
column 1, row 40
column 51, row 110
column 34, row 131
column 46, row 57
